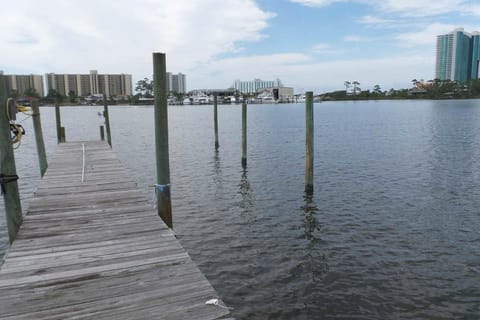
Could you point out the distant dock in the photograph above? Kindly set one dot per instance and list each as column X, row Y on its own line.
column 97, row 250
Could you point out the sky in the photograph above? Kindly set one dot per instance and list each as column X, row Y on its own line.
column 309, row 44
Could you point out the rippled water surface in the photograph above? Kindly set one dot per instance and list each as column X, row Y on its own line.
column 391, row 231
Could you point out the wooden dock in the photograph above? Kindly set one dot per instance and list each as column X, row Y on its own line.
column 98, row 250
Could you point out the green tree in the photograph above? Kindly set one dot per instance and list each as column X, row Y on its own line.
column 31, row 92
column 474, row 86
column 355, row 87
column 53, row 95
column 145, row 88
column 72, row 97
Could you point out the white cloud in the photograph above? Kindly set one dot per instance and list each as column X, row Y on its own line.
column 356, row 38
column 374, row 20
column 119, row 36
column 473, row 9
column 316, row 3
column 420, row 8
column 325, row 49
column 428, row 35
column 409, row 8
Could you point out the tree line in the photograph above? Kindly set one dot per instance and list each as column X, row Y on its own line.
column 431, row 89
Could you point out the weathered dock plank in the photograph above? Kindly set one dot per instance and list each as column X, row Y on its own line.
column 98, row 250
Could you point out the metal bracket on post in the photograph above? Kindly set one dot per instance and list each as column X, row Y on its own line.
column 4, row 179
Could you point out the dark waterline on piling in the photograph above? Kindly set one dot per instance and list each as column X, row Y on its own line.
column 390, row 232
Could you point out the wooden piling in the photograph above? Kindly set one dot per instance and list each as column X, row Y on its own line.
column 244, row 134
column 162, row 188
column 37, row 128
column 58, row 122
column 102, row 133
column 8, row 170
column 215, row 121
column 107, row 119
column 62, row 134
column 309, row 142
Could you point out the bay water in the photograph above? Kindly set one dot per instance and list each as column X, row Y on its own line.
column 391, row 231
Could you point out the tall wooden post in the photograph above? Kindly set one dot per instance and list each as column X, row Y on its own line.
column 58, row 122
column 62, row 134
column 102, row 133
column 8, row 170
column 215, row 121
column 244, row 134
column 37, row 127
column 164, row 204
column 309, row 142
column 107, row 119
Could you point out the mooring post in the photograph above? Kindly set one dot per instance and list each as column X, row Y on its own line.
column 37, row 128
column 102, row 133
column 215, row 121
column 162, row 188
column 107, row 119
column 62, row 134
column 309, row 142
column 8, row 170
column 244, row 134
column 58, row 122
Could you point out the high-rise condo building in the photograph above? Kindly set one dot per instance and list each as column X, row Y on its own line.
column 176, row 83
column 83, row 85
column 458, row 56
column 255, row 85
column 23, row 83
column 475, row 68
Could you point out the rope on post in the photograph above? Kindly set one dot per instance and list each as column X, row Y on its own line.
column 162, row 187
column 159, row 188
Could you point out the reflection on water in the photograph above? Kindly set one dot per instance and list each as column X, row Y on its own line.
column 248, row 197
column 390, row 232
column 312, row 227
column 217, row 172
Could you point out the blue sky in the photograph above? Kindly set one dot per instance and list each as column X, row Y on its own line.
column 308, row 44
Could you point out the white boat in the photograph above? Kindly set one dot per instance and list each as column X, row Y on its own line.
column 200, row 99
column 268, row 99
column 186, row 101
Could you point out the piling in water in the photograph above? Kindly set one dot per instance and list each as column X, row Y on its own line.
column 107, row 119
column 215, row 121
column 62, row 134
column 164, row 204
column 244, row 134
column 58, row 122
column 37, row 128
column 102, row 133
column 309, row 142
column 8, row 170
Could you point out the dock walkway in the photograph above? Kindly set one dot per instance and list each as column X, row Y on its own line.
column 98, row 250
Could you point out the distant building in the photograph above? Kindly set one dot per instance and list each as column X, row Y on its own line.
column 176, row 83
column 255, row 85
column 22, row 83
column 458, row 56
column 276, row 94
column 83, row 85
